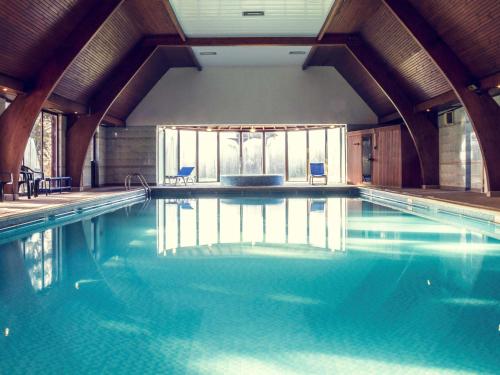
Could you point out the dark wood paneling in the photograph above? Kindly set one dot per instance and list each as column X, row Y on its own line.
column 134, row 19
column 351, row 14
column 470, row 27
column 411, row 174
column 416, row 71
column 355, row 75
column 30, row 31
column 147, row 77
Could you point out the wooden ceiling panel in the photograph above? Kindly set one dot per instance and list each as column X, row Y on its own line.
column 121, row 32
column 351, row 14
column 31, row 31
column 418, row 74
column 163, row 59
column 355, row 75
column 470, row 27
column 85, row 75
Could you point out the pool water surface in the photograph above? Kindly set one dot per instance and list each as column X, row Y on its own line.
column 250, row 286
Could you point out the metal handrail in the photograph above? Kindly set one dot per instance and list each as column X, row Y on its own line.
column 142, row 180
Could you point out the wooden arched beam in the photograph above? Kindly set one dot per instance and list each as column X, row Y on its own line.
column 17, row 121
column 483, row 111
column 80, row 131
column 422, row 130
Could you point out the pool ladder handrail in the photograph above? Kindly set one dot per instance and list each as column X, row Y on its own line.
column 142, row 180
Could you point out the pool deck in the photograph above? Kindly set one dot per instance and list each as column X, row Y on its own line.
column 24, row 209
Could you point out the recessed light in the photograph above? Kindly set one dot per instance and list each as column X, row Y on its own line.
column 208, row 53
column 209, row 129
column 297, row 52
column 174, row 127
column 4, row 89
column 252, row 130
column 428, row 110
column 498, row 86
column 253, row 13
column 76, row 113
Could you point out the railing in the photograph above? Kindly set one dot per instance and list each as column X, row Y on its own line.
column 142, row 180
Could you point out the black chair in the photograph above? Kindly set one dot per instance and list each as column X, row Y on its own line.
column 31, row 179
column 5, row 179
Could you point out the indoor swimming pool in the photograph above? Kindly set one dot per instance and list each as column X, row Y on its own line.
column 224, row 285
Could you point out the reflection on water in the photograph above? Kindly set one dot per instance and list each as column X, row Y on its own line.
column 317, row 222
column 288, row 285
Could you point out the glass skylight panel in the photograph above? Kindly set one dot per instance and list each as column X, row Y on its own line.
column 219, row 18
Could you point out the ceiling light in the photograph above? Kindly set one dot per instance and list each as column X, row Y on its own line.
column 332, row 126
column 253, row 13
column 209, row 129
column 4, row 89
column 76, row 113
column 208, row 53
column 297, row 52
column 174, row 127
column 498, row 86
column 252, row 130
column 428, row 110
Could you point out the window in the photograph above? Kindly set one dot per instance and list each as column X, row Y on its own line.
column 229, row 153
column 275, row 153
column 207, row 155
column 252, row 153
column 187, row 147
column 40, row 153
column 317, row 146
column 336, row 155
column 297, row 156
column 170, row 148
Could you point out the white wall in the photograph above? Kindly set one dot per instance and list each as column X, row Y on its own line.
column 252, row 95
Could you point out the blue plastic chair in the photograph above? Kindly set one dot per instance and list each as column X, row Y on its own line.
column 317, row 171
column 184, row 175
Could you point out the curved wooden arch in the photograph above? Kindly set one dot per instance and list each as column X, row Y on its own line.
column 17, row 121
column 483, row 111
column 422, row 130
column 80, row 132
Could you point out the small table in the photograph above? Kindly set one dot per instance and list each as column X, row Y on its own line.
column 55, row 184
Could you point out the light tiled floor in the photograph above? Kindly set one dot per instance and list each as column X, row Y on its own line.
column 467, row 198
column 42, row 202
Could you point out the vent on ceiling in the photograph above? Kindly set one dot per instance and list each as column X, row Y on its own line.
column 208, row 53
column 253, row 13
column 297, row 52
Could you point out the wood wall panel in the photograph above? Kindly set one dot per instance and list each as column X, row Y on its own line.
column 470, row 27
column 395, row 161
column 355, row 75
column 30, row 31
column 387, row 162
column 354, row 171
column 352, row 14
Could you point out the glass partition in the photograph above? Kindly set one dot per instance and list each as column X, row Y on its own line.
column 275, row 153
column 252, row 153
column 297, row 156
column 229, row 153
column 207, row 155
column 216, row 153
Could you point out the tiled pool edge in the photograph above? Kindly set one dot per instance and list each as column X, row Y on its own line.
column 484, row 220
column 11, row 223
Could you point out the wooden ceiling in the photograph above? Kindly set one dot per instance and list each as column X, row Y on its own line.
column 31, row 31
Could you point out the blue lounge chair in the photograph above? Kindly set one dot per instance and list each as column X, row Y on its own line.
column 184, row 175
column 317, row 171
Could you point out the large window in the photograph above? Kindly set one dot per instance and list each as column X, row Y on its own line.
column 40, row 153
column 252, row 153
column 229, row 153
column 285, row 152
column 297, row 156
column 275, row 152
column 207, row 154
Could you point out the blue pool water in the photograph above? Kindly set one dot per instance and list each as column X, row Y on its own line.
column 250, row 286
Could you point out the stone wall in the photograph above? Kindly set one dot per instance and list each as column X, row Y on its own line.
column 128, row 150
column 460, row 159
